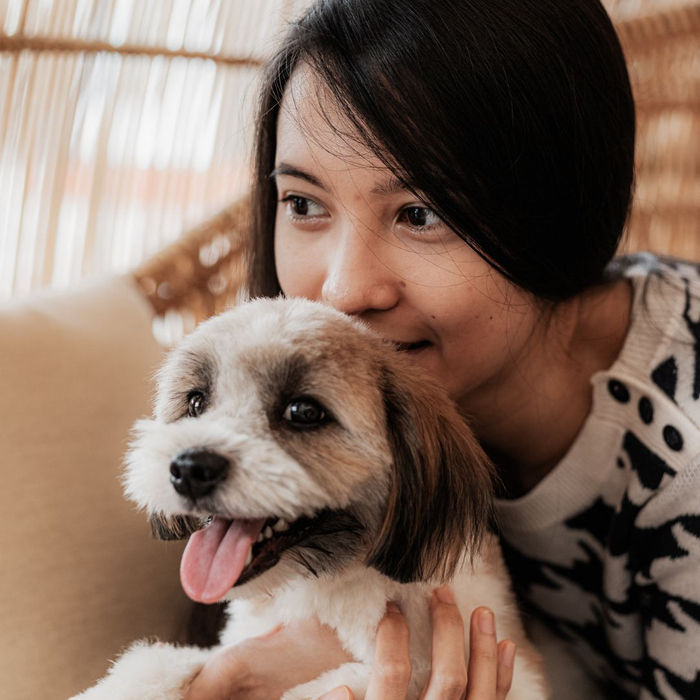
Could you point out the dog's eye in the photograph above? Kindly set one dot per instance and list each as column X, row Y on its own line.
column 305, row 413
column 196, row 402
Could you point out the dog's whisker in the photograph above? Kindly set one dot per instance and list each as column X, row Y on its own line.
column 308, row 545
column 176, row 527
column 304, row 561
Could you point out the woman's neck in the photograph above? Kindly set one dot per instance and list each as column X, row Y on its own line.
column 530, row 419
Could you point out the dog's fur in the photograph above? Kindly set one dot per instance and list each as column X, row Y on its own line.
column 402, row 483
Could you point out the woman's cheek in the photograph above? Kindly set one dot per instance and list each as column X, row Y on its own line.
column 282, row 257
column 295, row 264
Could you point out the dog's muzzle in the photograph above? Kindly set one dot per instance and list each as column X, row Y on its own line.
column 196, row 472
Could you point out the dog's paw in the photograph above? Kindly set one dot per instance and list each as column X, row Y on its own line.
column 149, row 672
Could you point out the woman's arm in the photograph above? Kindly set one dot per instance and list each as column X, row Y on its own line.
column 265, row 667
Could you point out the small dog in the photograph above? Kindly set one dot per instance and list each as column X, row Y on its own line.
column 321, row 473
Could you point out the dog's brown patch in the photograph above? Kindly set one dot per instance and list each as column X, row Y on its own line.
column 441, row 500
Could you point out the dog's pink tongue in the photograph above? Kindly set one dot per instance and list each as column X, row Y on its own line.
column 215, row 557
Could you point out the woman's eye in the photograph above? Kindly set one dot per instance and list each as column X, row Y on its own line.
column 303, row 207
column 421, row 217
column 196, row 402
column 305, row 413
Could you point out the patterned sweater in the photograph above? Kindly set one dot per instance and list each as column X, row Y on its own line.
column 606, row 549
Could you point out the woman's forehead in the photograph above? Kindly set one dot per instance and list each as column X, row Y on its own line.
column 313, row 128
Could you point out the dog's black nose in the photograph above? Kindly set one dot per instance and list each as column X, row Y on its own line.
column 196, row 472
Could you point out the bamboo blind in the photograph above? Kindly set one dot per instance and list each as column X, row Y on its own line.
column 125, row 122
column 122, row 123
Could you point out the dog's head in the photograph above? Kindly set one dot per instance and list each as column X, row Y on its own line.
column 295, row 441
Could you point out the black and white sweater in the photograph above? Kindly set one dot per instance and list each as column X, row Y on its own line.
column 606, row 548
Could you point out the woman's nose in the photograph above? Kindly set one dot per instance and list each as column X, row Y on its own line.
column 357, row 279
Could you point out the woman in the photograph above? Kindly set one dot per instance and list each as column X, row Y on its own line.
column 458, row 173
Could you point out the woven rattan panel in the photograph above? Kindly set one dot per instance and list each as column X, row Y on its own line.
column 663, row 53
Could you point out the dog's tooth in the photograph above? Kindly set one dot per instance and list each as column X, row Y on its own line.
column 249, row 558
column 280, row 526
column 268, row 532
column 261, row 537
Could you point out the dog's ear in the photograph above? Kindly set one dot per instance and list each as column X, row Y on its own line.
column 441, row 496
column 176, row 527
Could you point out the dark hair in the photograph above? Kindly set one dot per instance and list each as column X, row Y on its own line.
column 512, row 119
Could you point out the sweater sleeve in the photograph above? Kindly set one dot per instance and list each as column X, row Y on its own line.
column 666, row 560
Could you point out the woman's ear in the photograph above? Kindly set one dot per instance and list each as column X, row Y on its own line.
column 441, row 497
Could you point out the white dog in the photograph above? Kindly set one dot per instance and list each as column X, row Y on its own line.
column 324, row 475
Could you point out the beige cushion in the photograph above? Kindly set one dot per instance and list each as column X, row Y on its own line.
column 81, row 577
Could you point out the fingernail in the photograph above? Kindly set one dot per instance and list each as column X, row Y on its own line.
column 508, row 654
column 393, row 608
column 337, row 694
column 486, row 622
column 445, row 595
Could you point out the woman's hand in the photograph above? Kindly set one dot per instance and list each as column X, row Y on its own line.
column 490, row 663
column 265, row 667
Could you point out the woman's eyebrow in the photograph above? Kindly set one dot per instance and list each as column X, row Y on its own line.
column 390, row 186
column 286, row 169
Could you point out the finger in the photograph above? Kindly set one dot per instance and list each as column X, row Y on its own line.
column 391, row 669
column 506, row 659
column 448, row 670
column 483, row 656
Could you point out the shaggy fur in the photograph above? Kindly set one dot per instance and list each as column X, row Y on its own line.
column 396, row 487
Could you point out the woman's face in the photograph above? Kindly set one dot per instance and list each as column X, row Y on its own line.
column 348, row 234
